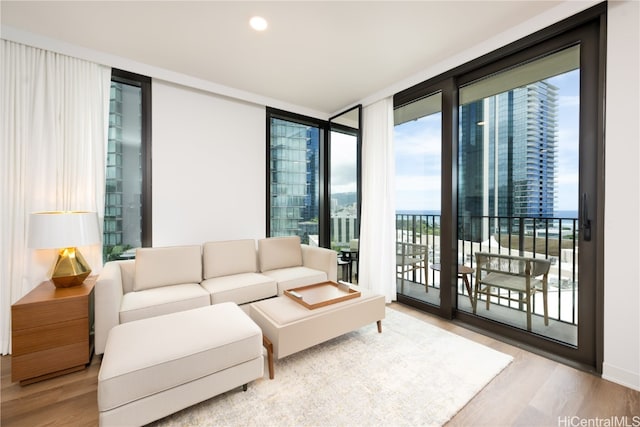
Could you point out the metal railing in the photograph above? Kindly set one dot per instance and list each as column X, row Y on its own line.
column 549, row 238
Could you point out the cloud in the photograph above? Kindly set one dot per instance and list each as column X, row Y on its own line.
column 417, row 141
column 344, row 154
column 418, row 192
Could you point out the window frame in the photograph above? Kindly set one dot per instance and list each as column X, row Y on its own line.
column 324, row 169
column 357, row 132
column 274, row 113
column 144, row 83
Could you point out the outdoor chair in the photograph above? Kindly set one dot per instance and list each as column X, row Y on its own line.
column 519, row 275
column 411, row 257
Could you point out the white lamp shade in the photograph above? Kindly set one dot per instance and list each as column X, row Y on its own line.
column 55, row 230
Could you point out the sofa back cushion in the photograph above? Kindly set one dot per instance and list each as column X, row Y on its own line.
column 229, row 257
column 128, row 273
column 279, row 252
column 175, row 265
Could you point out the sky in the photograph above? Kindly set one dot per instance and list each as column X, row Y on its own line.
column 417, row 147
column 343, row 163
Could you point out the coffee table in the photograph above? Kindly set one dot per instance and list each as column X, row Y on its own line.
column 289, row 327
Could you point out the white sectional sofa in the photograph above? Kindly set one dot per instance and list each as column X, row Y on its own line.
column 172, row 279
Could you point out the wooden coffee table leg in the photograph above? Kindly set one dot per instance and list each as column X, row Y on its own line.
column 379, row 322
column 269, row 346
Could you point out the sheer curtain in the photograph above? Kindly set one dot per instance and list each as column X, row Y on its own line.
column 377, row 269
column 54, row 121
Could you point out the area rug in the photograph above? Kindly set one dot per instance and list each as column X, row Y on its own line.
column 411, row 374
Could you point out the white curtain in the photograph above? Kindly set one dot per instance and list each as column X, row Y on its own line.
column 377, row 257
column 54, row 123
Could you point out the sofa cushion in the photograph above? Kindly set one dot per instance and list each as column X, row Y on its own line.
column 128, row 274
column 279, row 252
column 240, row 288
column 174, row 265
column 229, row 257
column 288, row 278
column 163, row 300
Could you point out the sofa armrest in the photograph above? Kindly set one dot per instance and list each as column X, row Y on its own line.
column 108, row 298
column 321, row 259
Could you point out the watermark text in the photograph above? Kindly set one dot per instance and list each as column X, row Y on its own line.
column 613, row 421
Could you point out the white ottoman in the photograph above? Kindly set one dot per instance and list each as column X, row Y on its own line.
column 157, row 366
column 289, row 327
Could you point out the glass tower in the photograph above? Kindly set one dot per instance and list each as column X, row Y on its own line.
column 508, row 153
column 294, row 179
column 123, row 175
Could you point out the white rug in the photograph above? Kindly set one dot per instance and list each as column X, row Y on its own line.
column 412, row 374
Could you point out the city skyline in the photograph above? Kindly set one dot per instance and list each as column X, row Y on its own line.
column 418, row 150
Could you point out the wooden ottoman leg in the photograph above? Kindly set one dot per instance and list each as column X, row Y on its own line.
column 269, row 346
column 379, row 322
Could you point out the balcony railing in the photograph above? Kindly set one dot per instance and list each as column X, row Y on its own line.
column 549, row 238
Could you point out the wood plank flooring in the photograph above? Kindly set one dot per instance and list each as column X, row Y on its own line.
column 531, row 391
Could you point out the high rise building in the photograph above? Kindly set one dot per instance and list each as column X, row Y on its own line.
column 507, row 153
column 123, row 175
column 294, row 179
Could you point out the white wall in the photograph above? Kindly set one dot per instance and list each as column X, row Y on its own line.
column 622, row 197
column 208, row 167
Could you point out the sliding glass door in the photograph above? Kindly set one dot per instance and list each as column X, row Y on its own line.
column 514, row 141
column 518, row 194
column 418, row 139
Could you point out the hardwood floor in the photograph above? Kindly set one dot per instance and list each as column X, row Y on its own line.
column 531, row 391
column 536, row 391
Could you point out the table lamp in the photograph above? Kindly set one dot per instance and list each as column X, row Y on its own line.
column 65, row 231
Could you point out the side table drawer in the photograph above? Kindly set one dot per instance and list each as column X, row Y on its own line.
column 27, row 316
column 39, row 363
column 49, row 336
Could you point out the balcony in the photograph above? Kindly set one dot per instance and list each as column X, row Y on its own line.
column 549, row 238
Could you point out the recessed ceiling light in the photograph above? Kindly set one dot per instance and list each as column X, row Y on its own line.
column 258, row 23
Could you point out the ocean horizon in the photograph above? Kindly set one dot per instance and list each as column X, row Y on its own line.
column 557, row 214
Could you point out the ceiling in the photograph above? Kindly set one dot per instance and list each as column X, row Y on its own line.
column 323, row 56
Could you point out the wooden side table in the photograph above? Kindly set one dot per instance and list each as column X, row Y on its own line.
column 463, row 272
column 51, row 331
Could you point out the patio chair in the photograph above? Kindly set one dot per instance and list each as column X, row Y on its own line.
column 349, row 256
column 513, row 273
column 411, row 257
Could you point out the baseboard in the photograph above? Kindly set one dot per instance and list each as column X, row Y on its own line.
column 621, row 376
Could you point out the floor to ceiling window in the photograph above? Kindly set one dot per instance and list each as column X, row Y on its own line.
column 418, row 139
column 518, row 164
column 127, row 198
column 514, row 244
column 313, row 181
column 344, row 190
column 294, row 179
